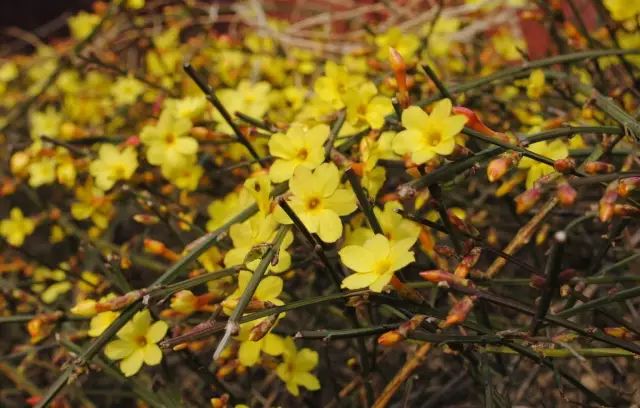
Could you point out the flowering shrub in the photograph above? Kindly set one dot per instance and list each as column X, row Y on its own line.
column 194, row 195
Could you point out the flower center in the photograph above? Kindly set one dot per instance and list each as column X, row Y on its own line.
column 313, row 203
column 141, row 341
column 434, row 138
column 171, row 138
column 381, row 267
column 302, row 154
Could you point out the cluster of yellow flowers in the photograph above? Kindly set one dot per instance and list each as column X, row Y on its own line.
column 122, row 167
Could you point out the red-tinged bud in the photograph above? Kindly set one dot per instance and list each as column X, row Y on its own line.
column 459, row 224
column 468, row 262
column 146, row 219
column 261, row 329
column 390, row 338
column 537, row 281
column 627, row 185
column 133, row 140
column 606, row 208
column 626, row 210
column 474, row 122
column 498, row 168
column 619, row 332
column 566, row 194
column 459, row 312
column 158, row 248
column 459, row 152
column 399, row 68
column 438, row 276
column 566, row 165
column 526, row 200
column 566, row 275
column 221, row 402
column 445, row 251
column 597, row 167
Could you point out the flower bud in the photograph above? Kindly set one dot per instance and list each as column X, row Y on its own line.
column 597, row 167
column 390, row 338
column 566, row 165
column 497, row 168
column 468, row 262
column 627, row 185
column 85, row 308
column 626, row 210
column 458, row 312
column 438, row 275
column 399, row 68
column 606, row 208
column 261, row 329
column 566, row 194
column 146, row 219
column 526, row 200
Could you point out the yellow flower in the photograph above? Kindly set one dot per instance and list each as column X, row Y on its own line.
column 331, row 87
column 296, row 367
column 426, row 136
column 256, row 231
column 318, row 201
column 259, row 187
column 169, row 143
column 406, row 44
column 16, row 228
column 82, row 24
column 622, row 9
column 45, row 123
column 366, row 107
column 375, row 262
column 221, row 211
column 268, row 290
column 126, row 90
column 535, row 85
column 300, row 146
column 92, row 203
column 136, row 343
column 250, row 99
column 42, row 171
column 249, row 350
column 113, row 165
column 554, row 150
column 50, row 284
column 190, row 107
column 135, row 4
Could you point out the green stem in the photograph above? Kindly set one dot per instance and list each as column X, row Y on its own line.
column 233, row 324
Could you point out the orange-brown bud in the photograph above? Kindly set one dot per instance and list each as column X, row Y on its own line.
column 438, row 276
column 527, row 199
column 566, row 165
column 566, row 194
column 445, row 251
column 619, row 332
column 158, row 248
column 627, row 185
column 261, row 329
column 390, row 338
column 597, row 167
column 498, row 168
column 146, row 219
column 459, row 312
column 468, row 262
column 626, row 210
column 606, row 208
column 399, row 68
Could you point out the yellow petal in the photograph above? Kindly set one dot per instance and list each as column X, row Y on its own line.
column 441, row 109
column 273, row 344
column 378, row 245
column 152, row 354
column 269, row 288
column 132, row 364
column 406, row 141
column 301, row 181
column 342, row 202
column 307, row 380
column 249, row 352
column 306, row 360
column 119, row 349
column 359, row 280
column 326, row 179
column 380, row 282
column 157, row 331
column 280, row 145
column 329, row 226
column 414, row 118
column 357, row 258
column 282, row 170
